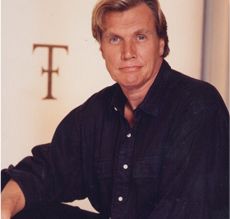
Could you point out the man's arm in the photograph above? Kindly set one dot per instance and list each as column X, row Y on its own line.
column 194, row 182
column 13, row 200
column 52, row 174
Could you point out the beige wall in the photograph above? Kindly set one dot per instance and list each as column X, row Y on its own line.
column 185, row 24
column 27, row 120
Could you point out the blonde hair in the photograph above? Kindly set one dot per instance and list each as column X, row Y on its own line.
column 104, row 6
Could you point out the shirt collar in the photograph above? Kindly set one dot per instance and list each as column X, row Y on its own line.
column 153, row 98
column 118, row 99
column 151, row 102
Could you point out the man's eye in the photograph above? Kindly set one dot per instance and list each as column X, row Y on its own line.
column 114, row 40
column 141, row 37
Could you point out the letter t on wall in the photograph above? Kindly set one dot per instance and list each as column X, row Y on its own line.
column 50, row 69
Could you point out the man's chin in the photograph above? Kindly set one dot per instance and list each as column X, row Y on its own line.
column 130, row 85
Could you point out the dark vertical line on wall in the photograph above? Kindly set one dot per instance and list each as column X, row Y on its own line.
column 210, row 52
column 228, row 77
column 204, row 42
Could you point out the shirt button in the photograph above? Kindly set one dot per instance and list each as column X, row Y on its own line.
column 125, row 166
column 115, row 108
column 120, row 198
column 128, row 135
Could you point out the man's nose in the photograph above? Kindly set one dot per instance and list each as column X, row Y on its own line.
column 128, row 50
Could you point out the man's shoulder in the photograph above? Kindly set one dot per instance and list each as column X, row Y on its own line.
column 195, row 92
column 102, row 97
column 181, row 85
column 92, row 109
column 193, row 87
column 97, row 102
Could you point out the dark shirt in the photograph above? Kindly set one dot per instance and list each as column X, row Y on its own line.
column 172, row 164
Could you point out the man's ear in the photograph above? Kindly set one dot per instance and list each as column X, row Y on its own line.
column 102, row 53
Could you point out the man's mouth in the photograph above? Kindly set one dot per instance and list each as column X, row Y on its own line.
column 130, row 68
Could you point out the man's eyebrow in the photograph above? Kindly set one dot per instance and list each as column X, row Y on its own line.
column 144, row 31
column 110, row 34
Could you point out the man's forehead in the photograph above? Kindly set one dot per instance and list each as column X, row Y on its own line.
column 131, row 15
column 118, row 23
column 137, row 9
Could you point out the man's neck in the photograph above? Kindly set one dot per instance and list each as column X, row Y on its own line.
column 136, row 95
column 135, row 98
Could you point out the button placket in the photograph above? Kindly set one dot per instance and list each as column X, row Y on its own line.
column 121, row 188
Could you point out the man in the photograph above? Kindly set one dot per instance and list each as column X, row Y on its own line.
column 152, row 146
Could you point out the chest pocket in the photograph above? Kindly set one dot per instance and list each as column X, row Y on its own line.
column 148, row 167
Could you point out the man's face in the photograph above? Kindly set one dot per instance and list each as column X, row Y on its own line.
column 131, row 48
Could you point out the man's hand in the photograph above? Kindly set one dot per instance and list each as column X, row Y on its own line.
column 5, row 214
column 13, row 200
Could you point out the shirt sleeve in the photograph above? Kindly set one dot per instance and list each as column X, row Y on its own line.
column 54, row 171
column 195, row 170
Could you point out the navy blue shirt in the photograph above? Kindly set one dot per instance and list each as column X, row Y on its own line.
column 171, row 164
